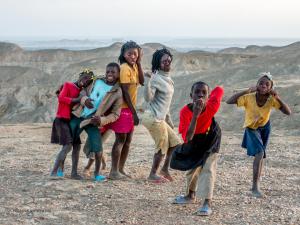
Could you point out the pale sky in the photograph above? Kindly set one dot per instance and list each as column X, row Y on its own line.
column 166, row 18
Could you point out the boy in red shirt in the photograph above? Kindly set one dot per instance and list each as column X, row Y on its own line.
column 199, row 153
column 61, row 132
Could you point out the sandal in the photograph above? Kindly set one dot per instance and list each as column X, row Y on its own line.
column 204, row 211
column 181, row 199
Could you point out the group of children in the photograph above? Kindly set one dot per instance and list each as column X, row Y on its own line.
column 101, row 105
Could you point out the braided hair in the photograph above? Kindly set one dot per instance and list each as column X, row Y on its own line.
column 86, row 72
column 157, row 55
column 125, row 47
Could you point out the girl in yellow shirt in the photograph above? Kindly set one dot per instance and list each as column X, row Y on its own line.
column 258, row 102
column 131, row 76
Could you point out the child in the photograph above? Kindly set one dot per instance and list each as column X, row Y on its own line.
column 61, row 133
column 258, row 102
column 158, row 94
column 108, row 111
column 131, row 75
column 106, row 97
column 202, row 137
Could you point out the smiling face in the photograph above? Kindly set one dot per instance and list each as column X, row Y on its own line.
column 165, row 63
column 264, row 86
column 112, row 74
column 200, row 91
column 131, row 55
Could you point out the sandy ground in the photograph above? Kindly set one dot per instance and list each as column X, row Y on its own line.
column 28, row 196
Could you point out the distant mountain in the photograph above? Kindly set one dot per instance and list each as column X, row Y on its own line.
column 28, row 79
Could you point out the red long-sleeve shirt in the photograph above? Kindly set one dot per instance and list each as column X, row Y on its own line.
column 69, row 91
column 205, row 118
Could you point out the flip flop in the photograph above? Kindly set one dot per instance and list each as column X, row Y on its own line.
column 100, row 178
column 204, row 211
column 168, row 178
column 180, row 199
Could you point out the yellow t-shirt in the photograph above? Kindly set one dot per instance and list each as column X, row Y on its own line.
column 130, row 75
column 256, row 116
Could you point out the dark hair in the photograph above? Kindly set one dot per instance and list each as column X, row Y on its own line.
column 125, row 47
column 86, row 72
column 113, row 64
column 157, row 55
column 198, row 83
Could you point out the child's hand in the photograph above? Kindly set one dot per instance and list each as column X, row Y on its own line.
column 252, row 89
column 148, row 74
column 88, row 103
column 136, row 119
column 198, row 107
column 274, row 94
column 95, row 120
column 139, row 59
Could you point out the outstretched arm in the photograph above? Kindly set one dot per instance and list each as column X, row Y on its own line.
column 233, row 99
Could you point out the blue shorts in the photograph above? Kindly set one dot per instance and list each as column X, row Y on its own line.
column 256, row 140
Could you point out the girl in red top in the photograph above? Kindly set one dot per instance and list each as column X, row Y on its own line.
column 61, row 132
column 199, row 153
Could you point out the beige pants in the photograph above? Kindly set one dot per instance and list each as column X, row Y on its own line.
column 163, row 135
column 202, row 179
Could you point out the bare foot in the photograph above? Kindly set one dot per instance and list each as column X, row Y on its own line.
column 154, row 177
column 257, row 193
column 167, row 175
column 125, row 173
column 87, row 173
column 115, row 176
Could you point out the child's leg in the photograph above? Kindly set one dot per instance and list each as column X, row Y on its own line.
column 206, row 184
column 103, row 162
column 165, row 169
column 156, row 161
column 191, row 187
column 61, row 158
column 257, row 165
column 75, row 160
column 115, row 156
column 90, row 163
column 98, row 156
column 124, row 153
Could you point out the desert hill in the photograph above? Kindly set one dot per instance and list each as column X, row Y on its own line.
column 28, row 79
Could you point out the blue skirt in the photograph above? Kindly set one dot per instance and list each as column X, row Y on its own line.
column 256, row 140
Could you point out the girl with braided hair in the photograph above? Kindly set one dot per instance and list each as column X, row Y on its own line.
column 131, row 76
column 156, row 118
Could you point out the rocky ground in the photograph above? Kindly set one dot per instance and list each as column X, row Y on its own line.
column 28, row 196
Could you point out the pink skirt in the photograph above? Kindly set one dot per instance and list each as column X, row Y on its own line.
column 124, row 124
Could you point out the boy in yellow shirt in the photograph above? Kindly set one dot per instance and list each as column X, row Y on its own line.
column 258, row 102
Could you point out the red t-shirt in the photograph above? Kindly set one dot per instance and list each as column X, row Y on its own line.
column 205, row 118
column 69, row 91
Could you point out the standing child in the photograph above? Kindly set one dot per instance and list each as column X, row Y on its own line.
column 131, row 76
column 105, row 96
column 258, row 102
column 108, row 109
column 199, row 154
column 61, row 132
column 157, row 119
